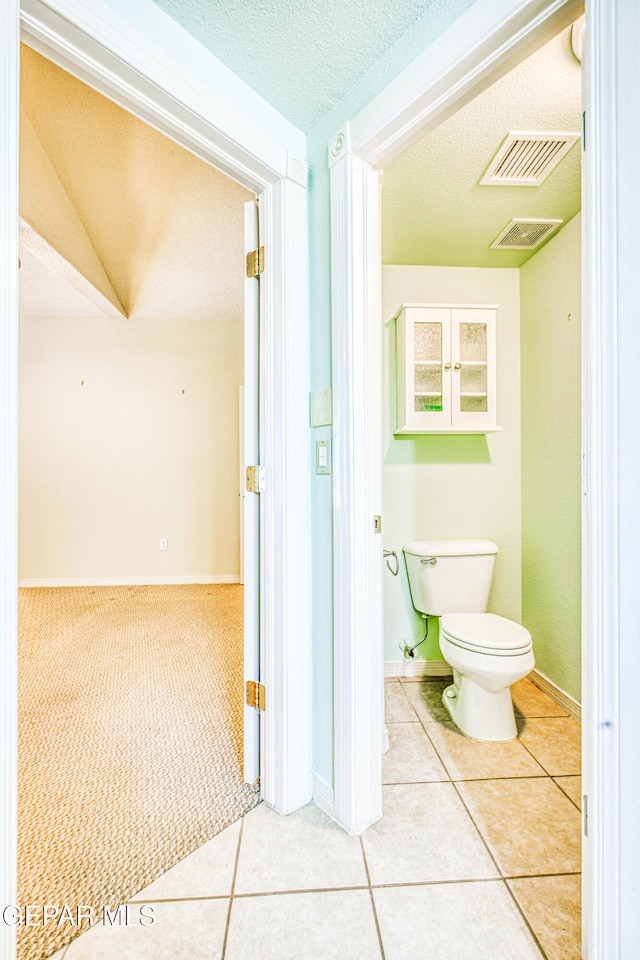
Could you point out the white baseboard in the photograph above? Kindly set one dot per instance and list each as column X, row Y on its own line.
column 323, row 796
column 128, row 581
column 554, row 692
column 416, row 668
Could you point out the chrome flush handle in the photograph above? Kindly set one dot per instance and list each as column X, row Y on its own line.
column 432, row 561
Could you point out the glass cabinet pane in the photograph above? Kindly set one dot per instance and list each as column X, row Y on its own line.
column 473, row 379
column 473, row 404
column 473, row 341
column 424, row 404
column 427, row 341
column 427, row 378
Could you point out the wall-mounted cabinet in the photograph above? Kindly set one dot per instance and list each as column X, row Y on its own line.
column 446, row 368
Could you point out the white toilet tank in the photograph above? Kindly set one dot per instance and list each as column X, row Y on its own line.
column 458, row 581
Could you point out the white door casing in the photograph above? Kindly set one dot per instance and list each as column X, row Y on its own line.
column 9, row 65
column 478, row 48
column 357, row 493
column 483, row 44
column 137, row 56
column 611, row 515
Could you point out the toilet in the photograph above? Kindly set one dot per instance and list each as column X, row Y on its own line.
column 451, row 579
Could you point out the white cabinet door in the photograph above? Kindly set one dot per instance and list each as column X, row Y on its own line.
column 446, row 381
column 427, row 367
column 473, row 351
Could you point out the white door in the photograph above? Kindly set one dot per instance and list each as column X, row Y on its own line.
column 250, row 502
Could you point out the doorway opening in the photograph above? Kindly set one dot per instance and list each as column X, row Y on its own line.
column 518, row 485
column 132, row 613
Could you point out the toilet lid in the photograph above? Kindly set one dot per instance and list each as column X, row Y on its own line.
column 486, row 633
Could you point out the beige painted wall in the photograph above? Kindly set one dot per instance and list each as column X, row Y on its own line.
column 109, row 467
column 551, row 456
column 447, row 486
column 129, row 428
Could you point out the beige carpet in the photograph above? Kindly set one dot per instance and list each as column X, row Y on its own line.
column 130, row 740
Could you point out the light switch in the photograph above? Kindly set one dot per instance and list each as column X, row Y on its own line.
column 323, row 456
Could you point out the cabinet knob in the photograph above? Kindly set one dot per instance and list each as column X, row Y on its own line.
column 457, row 366
column 447, row 366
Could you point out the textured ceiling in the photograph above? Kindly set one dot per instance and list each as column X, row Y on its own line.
column 302, row 56
column 43, row 293
column 166, row 227
column 434, row 212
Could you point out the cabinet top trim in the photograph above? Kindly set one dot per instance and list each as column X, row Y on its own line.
column 447, row 306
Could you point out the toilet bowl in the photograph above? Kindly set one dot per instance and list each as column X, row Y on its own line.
column 451, row 579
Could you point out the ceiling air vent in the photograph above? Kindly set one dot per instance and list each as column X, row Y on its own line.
column 524, row 234
column 526, row 159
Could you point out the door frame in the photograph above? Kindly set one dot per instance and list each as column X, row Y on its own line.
column 141, row 59
column 483, row 44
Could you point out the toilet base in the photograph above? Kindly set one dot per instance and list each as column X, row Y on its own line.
column 479, row 713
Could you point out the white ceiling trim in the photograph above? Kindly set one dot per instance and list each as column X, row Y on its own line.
column 147, row 51
column 421, row 97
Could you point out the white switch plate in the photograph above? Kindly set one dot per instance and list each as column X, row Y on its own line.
column 321, row 407
column 323, row 456
column 164, row 544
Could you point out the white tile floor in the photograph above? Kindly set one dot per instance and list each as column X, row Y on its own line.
column 459, row 864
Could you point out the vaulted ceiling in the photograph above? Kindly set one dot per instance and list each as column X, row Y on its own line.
column 153, row 229
column 115, row 181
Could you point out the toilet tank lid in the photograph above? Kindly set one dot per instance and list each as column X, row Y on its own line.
column 450, row 548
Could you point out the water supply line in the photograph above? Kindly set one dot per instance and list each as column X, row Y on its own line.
column 407, row 649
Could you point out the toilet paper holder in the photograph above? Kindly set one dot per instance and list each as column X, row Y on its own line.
column 387, row 554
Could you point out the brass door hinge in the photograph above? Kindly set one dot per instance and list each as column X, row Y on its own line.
column 255, row 479
column 255, row 262
column 256, row 695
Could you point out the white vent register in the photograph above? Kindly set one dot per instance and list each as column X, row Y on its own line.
column 523, row 234
column 526, row 159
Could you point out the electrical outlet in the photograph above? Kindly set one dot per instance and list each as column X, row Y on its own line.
column 164, row 544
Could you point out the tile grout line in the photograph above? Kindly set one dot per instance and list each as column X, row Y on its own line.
column 488, row 849
column 373, row 902
column 525, row 918
column 205, row 897
column 502, row 875
column 408, row 699
column 579, row 809
column 373, row 886
column 540, row 763
column 285, row 893
column 518, row 776
column 428, row 883
column 453, row 784
column 223, row 952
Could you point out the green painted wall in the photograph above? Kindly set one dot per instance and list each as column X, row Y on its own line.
column 445, row 487
column 551, row 456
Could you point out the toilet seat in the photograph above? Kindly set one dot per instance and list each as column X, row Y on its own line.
column 486, row 633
